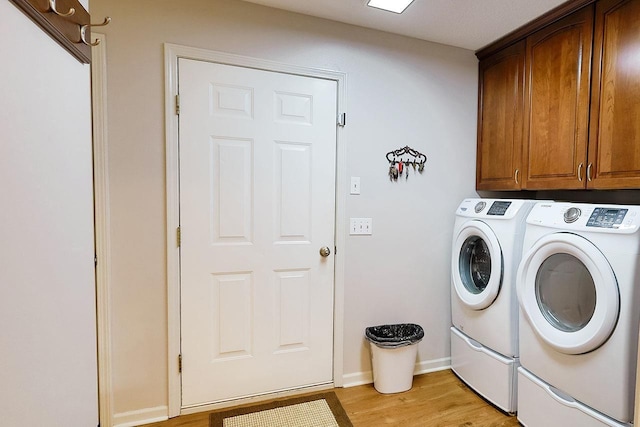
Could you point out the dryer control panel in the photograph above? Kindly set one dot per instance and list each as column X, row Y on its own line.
column 607, row 217
column 586, row 217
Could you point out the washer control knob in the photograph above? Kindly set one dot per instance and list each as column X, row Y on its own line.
column 572, row 215
column 480, row 206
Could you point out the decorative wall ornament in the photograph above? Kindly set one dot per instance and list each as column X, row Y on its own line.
column 401, row 159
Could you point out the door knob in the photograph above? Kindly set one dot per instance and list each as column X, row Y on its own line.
column 325, row 251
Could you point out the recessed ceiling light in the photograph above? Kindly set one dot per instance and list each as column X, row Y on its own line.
column 396, row 6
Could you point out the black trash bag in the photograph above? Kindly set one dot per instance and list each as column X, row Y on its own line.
column 393, row 336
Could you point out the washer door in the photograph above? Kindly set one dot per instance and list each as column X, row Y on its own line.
column 568, row 293
column 476, row 265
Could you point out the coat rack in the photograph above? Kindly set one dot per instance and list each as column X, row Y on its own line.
column 66, row 21
column 400, row 160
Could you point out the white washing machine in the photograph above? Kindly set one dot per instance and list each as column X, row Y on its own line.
column 487, row 244
column 579, row 297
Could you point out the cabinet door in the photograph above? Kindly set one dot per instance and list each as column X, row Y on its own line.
column 614, row 144
column 500, row 110
column 557, row 109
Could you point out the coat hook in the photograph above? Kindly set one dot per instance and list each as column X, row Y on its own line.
column 52, row 8
column 83, row 31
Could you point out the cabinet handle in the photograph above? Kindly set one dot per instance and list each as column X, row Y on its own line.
column 516, row 175
column 589, row 171
column 580, row 171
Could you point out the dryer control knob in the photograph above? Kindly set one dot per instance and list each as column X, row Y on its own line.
column 480, row 206
column 572, row 215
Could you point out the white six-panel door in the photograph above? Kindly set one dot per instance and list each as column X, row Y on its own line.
column 257, row 202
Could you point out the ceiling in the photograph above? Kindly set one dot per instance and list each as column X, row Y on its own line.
column 470, row 24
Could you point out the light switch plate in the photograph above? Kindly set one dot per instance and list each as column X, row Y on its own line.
column 360, row 226
column 355, row 185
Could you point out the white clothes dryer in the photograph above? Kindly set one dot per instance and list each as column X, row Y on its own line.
column 578, row 297
column 487, row 244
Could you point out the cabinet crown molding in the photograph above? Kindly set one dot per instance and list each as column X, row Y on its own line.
column 529, row 28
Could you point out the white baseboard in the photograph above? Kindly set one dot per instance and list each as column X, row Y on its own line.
column 427, row 366
column 140, row 417
column 423, row 367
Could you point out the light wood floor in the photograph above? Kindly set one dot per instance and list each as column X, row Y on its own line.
column 438, row 399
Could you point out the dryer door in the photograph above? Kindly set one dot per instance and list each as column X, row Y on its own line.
column 568, row 293
column 476, row 265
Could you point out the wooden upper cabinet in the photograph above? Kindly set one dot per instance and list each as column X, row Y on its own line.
column 556, row 122
column 560, row 108
column 500, row 111
column 614, row 139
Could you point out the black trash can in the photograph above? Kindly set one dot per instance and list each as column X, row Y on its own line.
column 393, row 355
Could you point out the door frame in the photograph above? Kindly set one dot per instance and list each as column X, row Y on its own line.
column 102, row 226
column 172, row 53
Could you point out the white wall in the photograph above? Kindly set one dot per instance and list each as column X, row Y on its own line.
column 401, row 92
column 48, row 373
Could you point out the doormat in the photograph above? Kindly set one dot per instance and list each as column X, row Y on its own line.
column 316, row 410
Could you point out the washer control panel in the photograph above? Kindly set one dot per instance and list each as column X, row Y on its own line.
column 498, row 208
column 607, row 217
column 494, row 209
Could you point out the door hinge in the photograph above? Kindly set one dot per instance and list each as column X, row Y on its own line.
column 335, row 250
column 342, row 119
column 180, row 363
column 178, row 236
column 95, row 260
column 178, row 105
